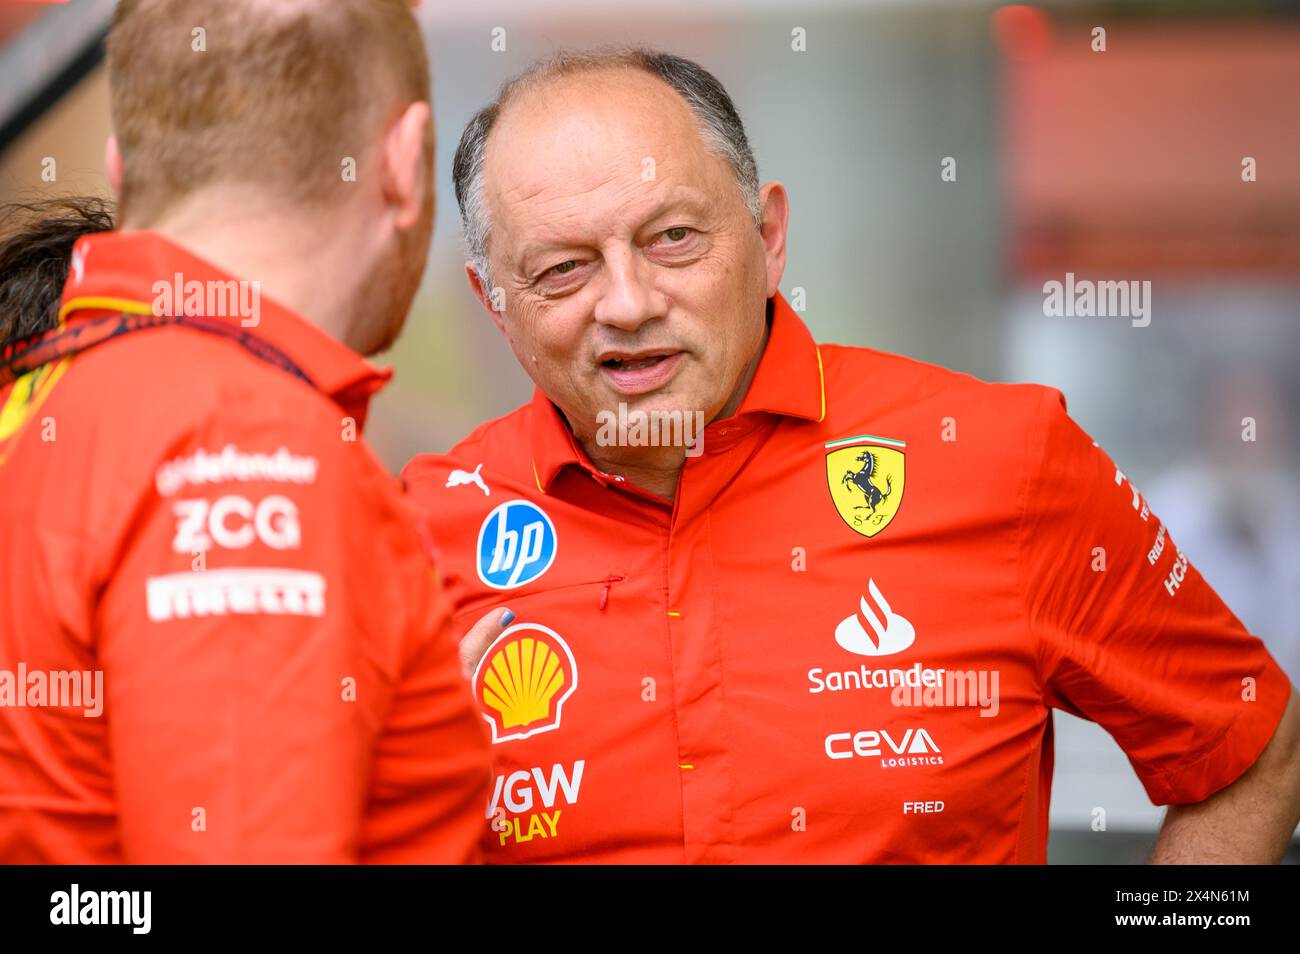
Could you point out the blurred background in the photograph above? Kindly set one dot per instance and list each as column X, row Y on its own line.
column 1122, row 163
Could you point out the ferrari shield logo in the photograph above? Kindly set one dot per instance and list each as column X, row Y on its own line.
column 865, row 478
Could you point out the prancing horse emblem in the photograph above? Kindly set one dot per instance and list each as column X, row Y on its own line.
column 865, row 476
column 862, row 480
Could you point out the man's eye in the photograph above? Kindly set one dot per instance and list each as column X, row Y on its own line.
column 677, row 234
column 565, row 267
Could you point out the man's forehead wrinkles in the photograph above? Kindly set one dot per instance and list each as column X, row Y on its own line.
column 518, row 197
column 624, row 198
column 560, row 189
column 582, row 216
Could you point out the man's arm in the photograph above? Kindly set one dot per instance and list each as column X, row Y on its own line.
column 1249, row 822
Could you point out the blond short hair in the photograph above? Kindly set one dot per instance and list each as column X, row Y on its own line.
column 272, row 93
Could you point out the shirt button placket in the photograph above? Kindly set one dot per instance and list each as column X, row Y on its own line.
column 703, row 758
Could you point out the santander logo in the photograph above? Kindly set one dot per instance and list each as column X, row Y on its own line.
column 884, row 634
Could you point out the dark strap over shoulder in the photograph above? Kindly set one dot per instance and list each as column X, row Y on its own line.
column 27, row 354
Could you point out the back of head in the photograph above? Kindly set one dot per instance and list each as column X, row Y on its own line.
column 36, row 242
column 267, row 95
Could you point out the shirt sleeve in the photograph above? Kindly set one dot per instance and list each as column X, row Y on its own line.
column 281, row 684
column 1129, row 635
column 432, row 764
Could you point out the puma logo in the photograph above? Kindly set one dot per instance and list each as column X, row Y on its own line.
column 459, row 477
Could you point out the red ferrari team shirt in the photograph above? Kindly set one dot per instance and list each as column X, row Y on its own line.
column 844, row 639
column 220, row 639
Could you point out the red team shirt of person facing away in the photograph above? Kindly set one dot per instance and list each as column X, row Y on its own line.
column 194, row 537
column 843, row 640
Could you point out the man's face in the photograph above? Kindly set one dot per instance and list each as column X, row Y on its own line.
column 631, row 268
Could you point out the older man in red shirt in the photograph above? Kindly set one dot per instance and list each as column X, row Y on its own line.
column 832, row 626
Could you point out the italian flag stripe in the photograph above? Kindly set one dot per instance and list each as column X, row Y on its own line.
column 866, row 439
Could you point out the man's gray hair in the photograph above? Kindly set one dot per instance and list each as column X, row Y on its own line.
column 719, row 123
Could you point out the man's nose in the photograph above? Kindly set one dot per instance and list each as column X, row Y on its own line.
column 629, row 297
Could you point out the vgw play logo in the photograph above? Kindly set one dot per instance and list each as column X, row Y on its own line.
column 516, row 545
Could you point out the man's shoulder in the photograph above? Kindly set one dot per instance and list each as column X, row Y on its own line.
column 503, row 445
column 172, row 378
column 171, row 396
column 859, row 379
column 498, row 437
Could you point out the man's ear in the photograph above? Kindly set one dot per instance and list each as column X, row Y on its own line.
column 484, row 295
column 113, row 165
column 775, row 204
column 406, row 169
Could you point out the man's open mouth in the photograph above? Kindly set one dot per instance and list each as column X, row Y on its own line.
column 636, row 363
column 640, row 372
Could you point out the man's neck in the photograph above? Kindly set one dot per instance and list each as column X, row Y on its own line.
column 656, row 472
column 281, row 250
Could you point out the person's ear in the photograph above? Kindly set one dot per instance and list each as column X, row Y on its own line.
column 484, row 295
column 113, row 166
column 406, row 169
column 775, row 205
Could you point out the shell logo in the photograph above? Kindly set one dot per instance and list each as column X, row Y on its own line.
column 523, row 681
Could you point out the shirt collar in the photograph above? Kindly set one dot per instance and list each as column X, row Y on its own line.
column 121, row 271
column 789, row 382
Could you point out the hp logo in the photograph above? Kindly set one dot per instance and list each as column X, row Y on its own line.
column 516, row 545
